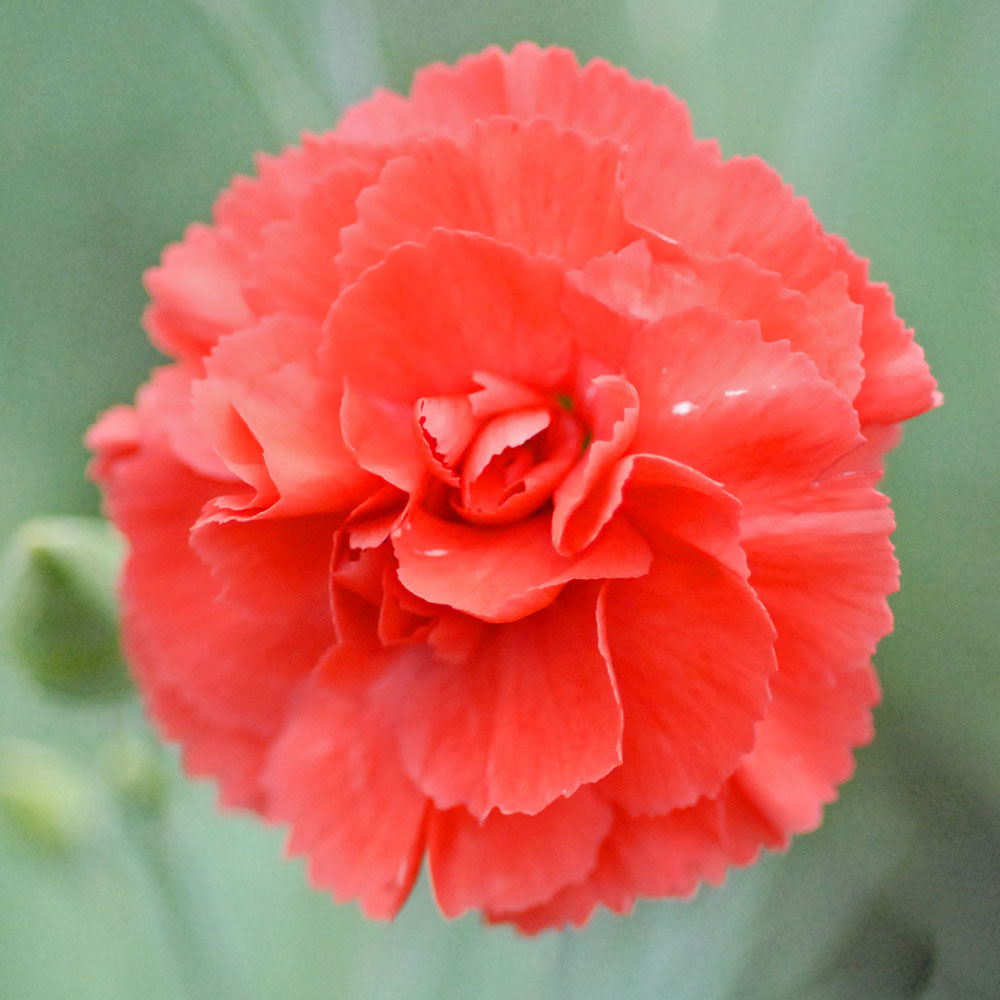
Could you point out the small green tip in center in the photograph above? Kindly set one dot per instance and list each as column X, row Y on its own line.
column 565, row 401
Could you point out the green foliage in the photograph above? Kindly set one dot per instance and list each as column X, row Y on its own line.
column 119, row 122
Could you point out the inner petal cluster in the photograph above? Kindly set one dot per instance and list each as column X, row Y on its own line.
column 491, row 465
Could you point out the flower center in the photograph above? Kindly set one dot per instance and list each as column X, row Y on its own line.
column 499, row 467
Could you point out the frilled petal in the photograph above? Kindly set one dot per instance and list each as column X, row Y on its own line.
column 752, row 415
column 382, row 435
column 606, row 884
column 265, row 565
column 692, row 649
column 167, row 394
column 336, row 779
column 232, row 757
column 826, row 329
column 824, row 566
column 172, row 615
column 447, row 426
column 741, row 206
column 275, row 421
column 196, row 293
column 294, row 268
column 281, row 183
column 515, row 463
column 423, row 320
column 506, row 182
column 612, row 408
column 803, row 751
column 531, row 715
column 501, row 574
column 596, row 100
column 898, row 384
column 666, row 499
column 516, row 861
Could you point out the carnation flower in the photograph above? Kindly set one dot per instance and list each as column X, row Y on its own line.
column 509, row 499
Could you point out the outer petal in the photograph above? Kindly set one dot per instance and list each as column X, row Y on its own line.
column 421, row 322
column 517, row 861
column 826, row 328
column 275, row 419
column 336, row 778
column 501, row 574
column 777, row 791
column 232, row 757
column 205, row 663
column 508, row 182
column 294, row 268
column 282, row 182
column 824, row 567
column 530, row 716
column 597, row 100
column 382, row 435
column 741, row 206
column 692, row 649
column 898, row 384
column 197, row 295
column 754, row 416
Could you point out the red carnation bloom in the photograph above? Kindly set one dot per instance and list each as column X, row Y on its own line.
column 510, row 496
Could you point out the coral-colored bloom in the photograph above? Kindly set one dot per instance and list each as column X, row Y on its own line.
column 509, row 499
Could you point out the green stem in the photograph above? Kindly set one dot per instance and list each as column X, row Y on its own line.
column 202, row 954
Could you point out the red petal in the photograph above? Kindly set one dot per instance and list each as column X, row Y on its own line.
column 383, row 436
column 826, row 327
column 692, row 649
column 824, row 566
column 294, row 268
column 226, row 659
column 754, row 416
column 335, row 777
column 667, row 500
column 741, row 206
column 512, row 862
column 421, row 322
column 529, row 717
column 274, row 418
column 502, row 574
column 611, row 405
column 503, row 479
column 898, row 384
column 232, row 757
column 501, row 395
column 245, row 209
column 597, row 100
column 197, row 295
column 447, row 425
column 803, row 751
column 507, row 182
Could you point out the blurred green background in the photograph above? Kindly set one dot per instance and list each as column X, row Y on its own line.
column 118, row 124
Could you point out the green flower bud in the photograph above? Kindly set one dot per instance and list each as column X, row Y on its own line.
column 44, row 797
column 58, row 611
column 134, row 767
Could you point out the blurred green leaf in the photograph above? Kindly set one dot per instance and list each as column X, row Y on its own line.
column 45, row 797
column 58, row 605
